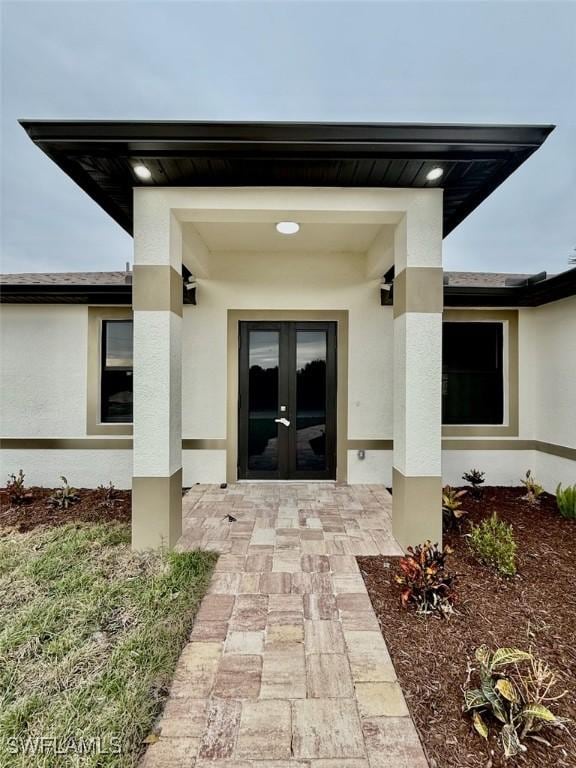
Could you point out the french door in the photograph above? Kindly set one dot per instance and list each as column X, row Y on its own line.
column 287, row 403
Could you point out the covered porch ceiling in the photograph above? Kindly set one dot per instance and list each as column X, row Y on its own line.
column 101, row 157
column 263, row 237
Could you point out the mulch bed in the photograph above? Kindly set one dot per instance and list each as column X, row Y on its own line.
column 88, row 508
column 536, row 608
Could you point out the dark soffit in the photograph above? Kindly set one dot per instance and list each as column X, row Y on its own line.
column 100, row 157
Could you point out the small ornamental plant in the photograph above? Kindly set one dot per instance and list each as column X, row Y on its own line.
column 452, row 506
column 107, row 495
column 425, row 583
column 516, row 693
column 566, row 501
column 533, row 489
column 16, row 490
column 65, row 496
column 493, row 543
column 475, row 478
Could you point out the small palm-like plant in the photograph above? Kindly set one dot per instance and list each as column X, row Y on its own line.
column 107, row 494
column 533, row 489
column 566, row 501
column 475, row 478
column 65, row 496
column 516, row 691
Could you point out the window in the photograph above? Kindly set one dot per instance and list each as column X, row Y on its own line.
column 472, row 373
column 116, row 372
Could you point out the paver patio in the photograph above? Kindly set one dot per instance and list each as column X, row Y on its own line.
column 286, row 665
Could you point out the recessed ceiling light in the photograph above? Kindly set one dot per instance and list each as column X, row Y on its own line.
column 142, row 172
column 287, row 227
column 434, row 174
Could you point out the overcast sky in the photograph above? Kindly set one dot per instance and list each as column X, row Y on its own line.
column 479, row 62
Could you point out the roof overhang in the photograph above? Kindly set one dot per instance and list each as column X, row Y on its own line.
column 100, row 157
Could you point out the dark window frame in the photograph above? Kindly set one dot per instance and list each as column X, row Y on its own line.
column 105, row 369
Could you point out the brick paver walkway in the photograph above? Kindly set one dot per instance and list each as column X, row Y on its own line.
column 286, row 666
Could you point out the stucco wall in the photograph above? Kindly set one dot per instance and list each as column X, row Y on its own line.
column 505, row 467
column 288, row 281
column 43, row 375
column 43, row 371
column 554, row 376
column 82, row 468
column 554, row 372
column 307, row 281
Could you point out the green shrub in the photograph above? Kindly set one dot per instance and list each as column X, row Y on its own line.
column 493, row 542
column 566, row 500
column 16, row 490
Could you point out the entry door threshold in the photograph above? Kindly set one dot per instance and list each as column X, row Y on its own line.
column 285, row 482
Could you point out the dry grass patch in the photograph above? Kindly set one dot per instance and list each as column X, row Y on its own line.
column 90, row 633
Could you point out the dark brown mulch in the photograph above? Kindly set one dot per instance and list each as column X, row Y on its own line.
column 536, row 608
column 88, row 508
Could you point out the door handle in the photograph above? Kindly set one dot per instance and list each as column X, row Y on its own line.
column 283, row 421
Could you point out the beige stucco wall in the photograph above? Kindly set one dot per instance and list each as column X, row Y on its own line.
column 43, row 376
column 42, row 370
column 554, row 372
column 56, row 338
column 43, row 361
column 554, row 376
column 260, row 281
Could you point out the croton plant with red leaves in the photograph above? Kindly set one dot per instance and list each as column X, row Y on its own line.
column 425, row 582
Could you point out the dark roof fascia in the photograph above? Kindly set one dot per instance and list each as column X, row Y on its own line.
column 143, row 135
column 65, row 294
column 558, row 287
column 464, row 296
column 62, row 140
column 120, row 295
column 531, row 295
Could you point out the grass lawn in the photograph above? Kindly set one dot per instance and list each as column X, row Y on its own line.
column 90, row 633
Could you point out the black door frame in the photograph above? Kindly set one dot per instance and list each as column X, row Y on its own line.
column 287, row 469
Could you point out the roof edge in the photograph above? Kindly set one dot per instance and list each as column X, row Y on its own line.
column 555, row 288
column 258, row 131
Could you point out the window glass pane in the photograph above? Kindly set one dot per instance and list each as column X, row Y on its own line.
column 264, row 356
column 311, row 400
column 116, row 397
column 472, row 373
column 118, row 342
column 116, row 377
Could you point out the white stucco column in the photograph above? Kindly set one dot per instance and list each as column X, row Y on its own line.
column 418, row 299
column 157, row 303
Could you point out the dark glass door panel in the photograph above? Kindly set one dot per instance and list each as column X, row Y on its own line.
column 311, row 400
column 263, row 405
column 287, row 408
